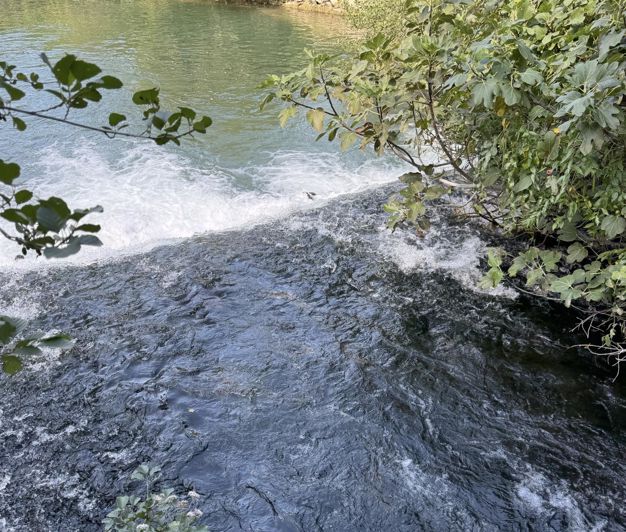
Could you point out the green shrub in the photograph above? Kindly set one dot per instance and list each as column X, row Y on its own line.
column 522, row 104
column 376, row 16
column 155, row 512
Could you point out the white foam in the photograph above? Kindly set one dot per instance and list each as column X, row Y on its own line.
column 4, row 482
column 436, row 251
column 421, row 483
column 153, row 195
column 25, row 307
column 540, row 497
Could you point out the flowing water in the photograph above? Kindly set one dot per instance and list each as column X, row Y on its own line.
column 295, row 363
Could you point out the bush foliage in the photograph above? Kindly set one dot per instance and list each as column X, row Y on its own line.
column 162, row 511
column 515, row 112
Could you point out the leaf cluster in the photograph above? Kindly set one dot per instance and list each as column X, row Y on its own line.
column 162, row 511
column 14, row 345
column 48, row 226
column 516, row 112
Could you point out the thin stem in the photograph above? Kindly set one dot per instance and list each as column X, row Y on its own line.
column 107, row 132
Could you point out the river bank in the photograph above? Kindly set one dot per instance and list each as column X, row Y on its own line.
column 333, row 7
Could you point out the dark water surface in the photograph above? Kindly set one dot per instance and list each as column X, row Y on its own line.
column 300, row 377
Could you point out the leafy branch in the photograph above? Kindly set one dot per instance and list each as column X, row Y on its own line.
column 515, row 113
column 48, row 226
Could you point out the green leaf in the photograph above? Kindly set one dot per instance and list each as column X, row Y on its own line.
column 561, row 284
column 15, row 216
column 375, row 42
column 53, row 214
column 89, row 228
column 492, row 278
column 89, row 240
column 91, row 94
column 457, row 80
column 568, row 233
column 613, row 226
column 494, row 257
column 531, row 77
column 416, row 209
column 511, row 96
column 533, row 276
column 268, row 98
column 608, row 41
column 26, row 349
column 526, row 52
column 13, row 92
column 18, row 123
column 83, row 70
column 347, row 140
column 414, row 179
column 574, row 103
column 9, row 172
column 577, row 16
column 550, row 259
column 607, row 116
column 158, row 122
column 434, row 192
column 484, row 92
column 110, row 82
column 62, row 69
column 202, row 124
column 525, row 182
column 518, row 264
column 59, row 341
column 45, row 59
column 115, row 119
column 187, row 113
column 8, row 329
column 23, row 196
column 146, row 97
column 11, row 364
column 79, row 214
column 576, row 253
column 72, row 247
column 591, row 136
column 286, row 114
column 316, row 119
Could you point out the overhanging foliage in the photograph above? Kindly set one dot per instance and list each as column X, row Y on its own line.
column 520, row 105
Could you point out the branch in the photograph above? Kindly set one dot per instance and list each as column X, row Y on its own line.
column 437, row 133
column 107, row 132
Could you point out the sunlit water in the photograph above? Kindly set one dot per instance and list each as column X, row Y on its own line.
column 314, row 372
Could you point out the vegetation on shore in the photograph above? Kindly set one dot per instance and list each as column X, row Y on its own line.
column 514, row 112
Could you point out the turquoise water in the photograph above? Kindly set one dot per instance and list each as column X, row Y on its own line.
column 208, row 56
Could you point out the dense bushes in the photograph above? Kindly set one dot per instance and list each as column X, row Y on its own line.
column 520, row 106
column 375, row 16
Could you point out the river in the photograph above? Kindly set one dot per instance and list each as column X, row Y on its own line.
column 298, row 365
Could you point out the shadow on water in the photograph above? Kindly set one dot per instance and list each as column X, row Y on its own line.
column 299, row 379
